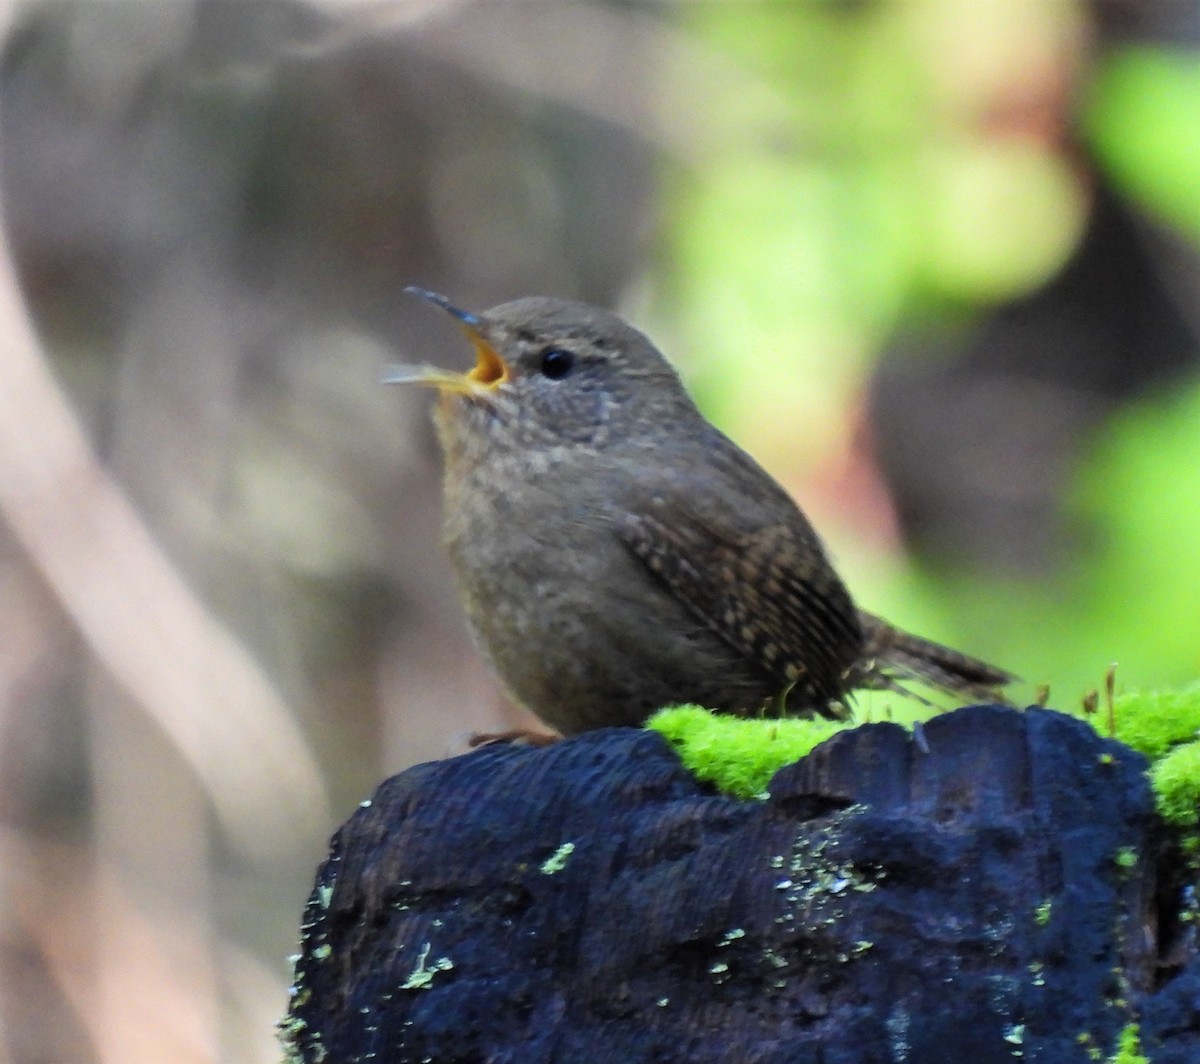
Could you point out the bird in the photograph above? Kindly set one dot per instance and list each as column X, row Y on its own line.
column 616, row 553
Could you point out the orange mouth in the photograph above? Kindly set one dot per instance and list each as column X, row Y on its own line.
column 488, row 373
column 490, row 369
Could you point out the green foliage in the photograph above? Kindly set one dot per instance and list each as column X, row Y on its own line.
column 849, row 189
column 1145, row 126
column 1140, row 496
column 738, row 756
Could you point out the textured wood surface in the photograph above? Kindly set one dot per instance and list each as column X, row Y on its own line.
column 998, row 891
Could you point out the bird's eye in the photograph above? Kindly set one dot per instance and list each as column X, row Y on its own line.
column 557, row 363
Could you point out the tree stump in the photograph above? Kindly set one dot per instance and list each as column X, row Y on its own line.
column 997, row 889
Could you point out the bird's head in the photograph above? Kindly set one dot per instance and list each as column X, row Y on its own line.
column 551, row 371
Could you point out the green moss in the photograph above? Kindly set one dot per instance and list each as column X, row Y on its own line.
column 1156, row 721
column 1129, row 1047
column 557, row 861
column 1176, row 782
column 1165, row 726
column 423, row 974
column 739, row 756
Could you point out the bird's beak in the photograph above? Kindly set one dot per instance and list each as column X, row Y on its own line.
column 490, row 370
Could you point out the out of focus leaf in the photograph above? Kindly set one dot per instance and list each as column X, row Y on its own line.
column 1144, row 121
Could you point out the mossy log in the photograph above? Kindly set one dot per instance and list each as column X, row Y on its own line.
column 997, row 889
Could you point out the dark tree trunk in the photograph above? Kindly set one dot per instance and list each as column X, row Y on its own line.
column 1000, row 890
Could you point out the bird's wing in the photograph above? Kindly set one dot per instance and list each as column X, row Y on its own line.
column 769, row 592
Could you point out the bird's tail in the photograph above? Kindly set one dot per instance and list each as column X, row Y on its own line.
column 891, row 657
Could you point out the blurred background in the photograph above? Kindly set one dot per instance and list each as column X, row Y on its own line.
column 935, row 263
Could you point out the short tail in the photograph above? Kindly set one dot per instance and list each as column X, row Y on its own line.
column 890, row 657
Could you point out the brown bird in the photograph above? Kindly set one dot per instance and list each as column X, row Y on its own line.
column 616, row 553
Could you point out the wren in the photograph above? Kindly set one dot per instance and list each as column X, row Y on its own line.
column 616, row 553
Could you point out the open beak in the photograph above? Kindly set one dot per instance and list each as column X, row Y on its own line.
column 489, row 372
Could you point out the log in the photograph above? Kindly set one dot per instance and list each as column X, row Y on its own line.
column 998, row 889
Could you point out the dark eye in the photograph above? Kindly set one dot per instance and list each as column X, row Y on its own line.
column 557, row 363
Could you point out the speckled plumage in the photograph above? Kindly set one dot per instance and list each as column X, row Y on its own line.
column 616, row 553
